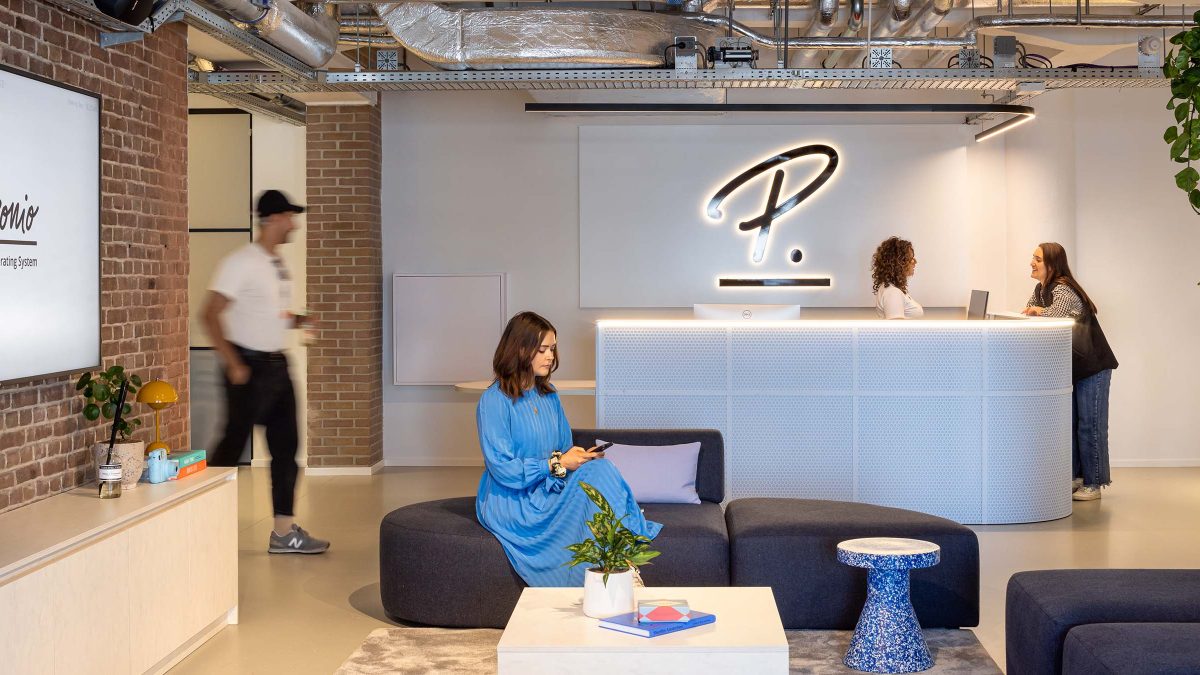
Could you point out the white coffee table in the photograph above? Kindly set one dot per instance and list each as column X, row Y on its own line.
column 548, row 633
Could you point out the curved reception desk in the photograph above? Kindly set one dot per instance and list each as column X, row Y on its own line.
column 969, row 420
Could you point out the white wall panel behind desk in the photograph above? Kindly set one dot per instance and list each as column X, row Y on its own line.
column 644, row 191
column 473, row 184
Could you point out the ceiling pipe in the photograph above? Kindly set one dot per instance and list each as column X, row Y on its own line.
column 853, row 25
column 820, row 26
column 309, row 37
column 833, row 43
column 888, row 24
column 932, row 14
column 351, row 39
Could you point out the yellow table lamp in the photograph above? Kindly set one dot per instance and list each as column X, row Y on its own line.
column 157, row 395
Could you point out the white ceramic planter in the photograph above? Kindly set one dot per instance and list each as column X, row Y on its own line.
column 131, row 456
column 602, row 600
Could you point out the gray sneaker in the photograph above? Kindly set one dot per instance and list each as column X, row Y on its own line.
column 296, row 541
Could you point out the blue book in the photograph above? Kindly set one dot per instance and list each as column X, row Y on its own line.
column 628, row 623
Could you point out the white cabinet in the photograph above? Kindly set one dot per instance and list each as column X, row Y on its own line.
column 123, row 586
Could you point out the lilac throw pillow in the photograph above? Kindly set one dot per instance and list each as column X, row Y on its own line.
column 658, row 474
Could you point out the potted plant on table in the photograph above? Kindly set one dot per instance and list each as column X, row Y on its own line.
column 100, row 392
column 613, row 552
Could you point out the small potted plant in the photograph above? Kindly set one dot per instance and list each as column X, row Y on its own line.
column 613, row 552
column 100, row 392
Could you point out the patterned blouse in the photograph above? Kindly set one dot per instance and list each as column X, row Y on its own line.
column 1064, row 302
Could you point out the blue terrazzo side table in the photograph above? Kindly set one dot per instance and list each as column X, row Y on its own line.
column 888, row 637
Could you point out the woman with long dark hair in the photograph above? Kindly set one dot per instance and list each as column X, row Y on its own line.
column 529, row 495
column 1058, row 294
column 891, row 266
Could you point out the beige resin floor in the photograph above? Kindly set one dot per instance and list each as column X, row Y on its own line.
column 306, row 614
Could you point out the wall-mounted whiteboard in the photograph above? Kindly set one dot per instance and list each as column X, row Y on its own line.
column 445, row 327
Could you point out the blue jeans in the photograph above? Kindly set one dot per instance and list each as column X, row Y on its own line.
column 1089, row 443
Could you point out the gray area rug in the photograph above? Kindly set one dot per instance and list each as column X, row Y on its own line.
column 445, row 650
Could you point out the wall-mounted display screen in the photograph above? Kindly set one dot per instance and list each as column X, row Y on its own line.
column 49, row 227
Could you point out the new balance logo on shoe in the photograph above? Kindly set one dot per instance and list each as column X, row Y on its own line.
column 295, row 542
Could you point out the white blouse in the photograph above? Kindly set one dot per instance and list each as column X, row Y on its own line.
column 893, row 303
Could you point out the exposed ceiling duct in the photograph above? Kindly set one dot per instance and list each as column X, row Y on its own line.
column 491, row 39
column 821, row 25
column 888, row 24
column 853, row 25
column 310, row 37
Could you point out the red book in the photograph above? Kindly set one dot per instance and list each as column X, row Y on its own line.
column 192, row 468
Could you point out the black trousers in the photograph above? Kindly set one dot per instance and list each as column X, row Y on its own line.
column 267, row 399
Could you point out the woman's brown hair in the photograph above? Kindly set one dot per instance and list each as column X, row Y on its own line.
column 1058, row 271
column 513, row 362
column 889, row 265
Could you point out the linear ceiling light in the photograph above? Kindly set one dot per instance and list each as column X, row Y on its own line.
column 1004, row 126
column 1022, row 113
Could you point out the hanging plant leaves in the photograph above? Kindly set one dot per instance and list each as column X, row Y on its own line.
column 1187, row 179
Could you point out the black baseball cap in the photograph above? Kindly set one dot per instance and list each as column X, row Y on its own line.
column 274, row 201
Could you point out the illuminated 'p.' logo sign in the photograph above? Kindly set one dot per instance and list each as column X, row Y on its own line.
column 774, row 209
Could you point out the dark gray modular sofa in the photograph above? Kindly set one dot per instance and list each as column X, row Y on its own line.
column 1103, row 621
column 439, row 566
column 791, row 546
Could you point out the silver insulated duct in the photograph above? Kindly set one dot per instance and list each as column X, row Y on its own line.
column 497, row 39
column 310, row 37
column 820, row 26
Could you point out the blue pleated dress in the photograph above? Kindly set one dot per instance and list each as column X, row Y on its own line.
column 533, row 514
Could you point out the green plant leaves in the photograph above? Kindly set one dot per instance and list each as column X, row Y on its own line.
column 1170, row 134
column 613, row 547
column 1187, row 179
column 99, row 391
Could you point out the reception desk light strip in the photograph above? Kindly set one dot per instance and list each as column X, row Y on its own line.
column 969, row 420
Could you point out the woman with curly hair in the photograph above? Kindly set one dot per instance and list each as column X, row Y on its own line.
column 891, row 266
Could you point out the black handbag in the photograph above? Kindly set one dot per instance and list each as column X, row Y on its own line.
column 1090, row 353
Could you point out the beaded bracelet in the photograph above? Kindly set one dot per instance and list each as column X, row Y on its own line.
column 556, row 468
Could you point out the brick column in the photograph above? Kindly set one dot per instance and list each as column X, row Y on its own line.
column 345, row 380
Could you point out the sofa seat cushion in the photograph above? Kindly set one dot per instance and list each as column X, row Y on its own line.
column 1041, row 606
column 694, row 543
column 791, row 546
column 1132, row 649
column 438, row 566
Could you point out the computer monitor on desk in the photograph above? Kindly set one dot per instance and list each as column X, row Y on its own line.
column 746, row 312
column 977, row 310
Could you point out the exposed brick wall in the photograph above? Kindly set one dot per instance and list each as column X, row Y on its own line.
column 44, row 440
column 345, row 380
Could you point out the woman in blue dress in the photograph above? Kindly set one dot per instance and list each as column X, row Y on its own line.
column 529, row 495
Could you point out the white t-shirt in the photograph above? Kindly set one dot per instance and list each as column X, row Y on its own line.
column 259, row 290
column 893, row 303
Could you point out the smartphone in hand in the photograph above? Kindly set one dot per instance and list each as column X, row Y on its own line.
column 601, row 448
